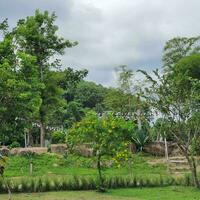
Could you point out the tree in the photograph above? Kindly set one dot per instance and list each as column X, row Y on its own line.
column 107, row 136
column 89, row 94
column 117, row 101
column 7, row 82
column 189, row 65
column 158, row 130
column 178, row 103
column 37, row 36
column 33, row 87
column 19, row 97
column 177, row 48
column 74, row 113
column 29, row 100
column 125, row 78
column 72, row 110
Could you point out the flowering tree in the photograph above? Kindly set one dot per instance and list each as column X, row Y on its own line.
column 107, row 135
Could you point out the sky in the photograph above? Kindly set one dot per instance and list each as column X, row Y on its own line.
column 113, row 32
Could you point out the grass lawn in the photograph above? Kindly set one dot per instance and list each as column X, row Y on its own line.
column 164, row 193
column 49, row 164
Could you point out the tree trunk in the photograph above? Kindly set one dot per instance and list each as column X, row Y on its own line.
column 30, row 136
column 42, row 135
column 193, row 169
column 166, row 154
column 25, row 140
column 139, row 123
column 100, row 186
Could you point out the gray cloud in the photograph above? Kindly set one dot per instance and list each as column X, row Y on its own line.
column 114, row 32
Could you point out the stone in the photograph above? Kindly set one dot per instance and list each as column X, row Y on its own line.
column 4, row 151
column 156, row 148
column 29, row 150
column 84, row 150
column 59, row 148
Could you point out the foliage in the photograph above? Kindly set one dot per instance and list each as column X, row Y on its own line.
column 177, row 48
column 189, row 66
column 107, row 136
column 89, row 94
column 3, row 161
column 73, row 113
column 33, row 85
column 37, row 36
column 160, row 130
column 176, row 97
column 125, row 77
column 103, row 133
column 2, row 164
column 58, row 137
column 140, row 138
column 118, row 102
column 14, row 144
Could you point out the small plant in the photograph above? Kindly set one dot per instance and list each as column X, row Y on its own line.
column 3, row 160
column 140, row 138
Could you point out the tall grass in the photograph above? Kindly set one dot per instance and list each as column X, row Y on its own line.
column 44, row 184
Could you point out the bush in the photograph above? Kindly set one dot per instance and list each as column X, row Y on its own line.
column 58, row 137
column 15, row 144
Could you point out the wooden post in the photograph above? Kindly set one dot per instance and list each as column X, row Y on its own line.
column 31, row 168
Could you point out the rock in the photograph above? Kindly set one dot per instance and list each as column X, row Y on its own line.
column 156, row 148
column 29, row 150
column 4, row 151
column 58, row 148
column 26, row 152
column 84, row 150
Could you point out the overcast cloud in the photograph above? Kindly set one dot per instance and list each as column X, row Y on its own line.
column 113, row 32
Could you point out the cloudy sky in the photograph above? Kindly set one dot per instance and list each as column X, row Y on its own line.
column 113, row 32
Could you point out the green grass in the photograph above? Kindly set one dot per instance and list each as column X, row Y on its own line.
column 49, row 164
column 163, row 193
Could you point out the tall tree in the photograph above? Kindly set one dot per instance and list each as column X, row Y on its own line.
column 177, row 48
column 89, row 94
column 37, row 36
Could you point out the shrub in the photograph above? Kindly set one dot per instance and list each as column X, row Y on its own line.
column 14, row 144
column 58, row 137
column 140, row 138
